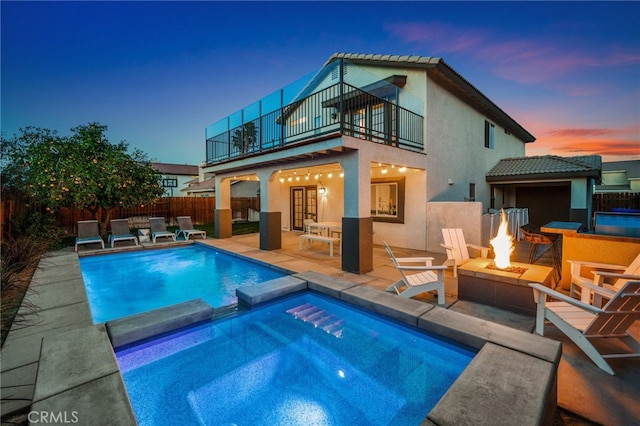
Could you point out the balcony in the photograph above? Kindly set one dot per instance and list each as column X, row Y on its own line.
column 336, row 110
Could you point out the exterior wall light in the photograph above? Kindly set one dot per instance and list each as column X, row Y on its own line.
column 322, row 190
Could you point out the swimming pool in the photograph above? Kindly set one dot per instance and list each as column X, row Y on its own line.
column 124, row 284
column 304, row 359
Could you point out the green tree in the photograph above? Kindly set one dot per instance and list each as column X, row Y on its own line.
column 83, row 170
column 245, row 137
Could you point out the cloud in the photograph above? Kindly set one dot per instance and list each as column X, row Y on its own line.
column 583, row 133
column 530, row 61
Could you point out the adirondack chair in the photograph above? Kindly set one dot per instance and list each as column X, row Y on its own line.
column 583, row 323
column 608, row 276
column 429, row 277
column 458, row 249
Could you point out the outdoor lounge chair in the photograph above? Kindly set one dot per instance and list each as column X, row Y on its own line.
column 88, row 233
column 120, row 232
column 583, row 323
column 185, row 228
column 608, row 276
column 427, row 278
column 159, row 229
column 458, row 249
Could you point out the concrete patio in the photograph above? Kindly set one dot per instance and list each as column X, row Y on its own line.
column 588, row 393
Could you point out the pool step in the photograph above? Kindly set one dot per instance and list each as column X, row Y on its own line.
column 320, row 318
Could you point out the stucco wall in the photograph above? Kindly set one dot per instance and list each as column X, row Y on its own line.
column 464, row 215
column 411, row 234
column 455, row 147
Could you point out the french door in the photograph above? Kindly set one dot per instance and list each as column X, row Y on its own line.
column 304, row 205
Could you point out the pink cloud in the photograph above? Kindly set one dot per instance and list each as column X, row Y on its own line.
column 521, row 60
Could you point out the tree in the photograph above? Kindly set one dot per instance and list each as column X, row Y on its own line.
column 245, row 137
column 83, row 170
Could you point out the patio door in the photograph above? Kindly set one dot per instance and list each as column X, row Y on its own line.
column 304, row 205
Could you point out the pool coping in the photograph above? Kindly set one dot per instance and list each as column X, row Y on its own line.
column 512, row 379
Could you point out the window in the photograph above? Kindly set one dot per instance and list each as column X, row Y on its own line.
column 472, row 192
column 489, row 135
column 387, row 200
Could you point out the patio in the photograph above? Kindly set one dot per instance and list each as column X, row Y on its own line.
column 583, row 389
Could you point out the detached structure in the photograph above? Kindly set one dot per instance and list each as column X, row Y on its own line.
column 381, row 143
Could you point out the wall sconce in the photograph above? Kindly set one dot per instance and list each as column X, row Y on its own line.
column 322, row 190
column 450, row 182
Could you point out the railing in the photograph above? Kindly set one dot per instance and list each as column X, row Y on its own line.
column 338, row 109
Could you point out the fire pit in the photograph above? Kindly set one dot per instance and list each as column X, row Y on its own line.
column 478, row 282
column 500, row 282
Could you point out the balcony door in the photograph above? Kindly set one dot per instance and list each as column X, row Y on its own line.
column 304, row 205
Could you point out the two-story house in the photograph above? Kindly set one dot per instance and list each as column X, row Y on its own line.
column 369, row 141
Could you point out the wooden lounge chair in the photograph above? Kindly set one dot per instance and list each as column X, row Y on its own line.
column 583, row 323
column 458, row 249
column 120, row 232
column 585, row 275
column 88, row 233
column 159, row 229
column 429, row 277
column 186, row 229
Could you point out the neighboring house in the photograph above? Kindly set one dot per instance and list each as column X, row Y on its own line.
column 175, row 177
column 374, row 141
column 620, row 176
column 551, row 187
column 204, row 186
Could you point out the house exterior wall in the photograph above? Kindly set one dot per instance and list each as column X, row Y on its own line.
column 455, row 148
column 453, row 157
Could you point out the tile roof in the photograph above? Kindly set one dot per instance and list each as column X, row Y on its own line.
column 544, row 167
column 632, row 167
column 175, row 169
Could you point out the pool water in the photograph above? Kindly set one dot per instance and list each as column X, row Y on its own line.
column 124, row 284
column 307, row 360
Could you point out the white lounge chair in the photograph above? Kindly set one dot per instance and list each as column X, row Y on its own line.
column 120, row 232
column 186, row 229
column 582, row 322
column 159, row 229
column 88, row 233
column 458, row 249
column 430, row 278
column 608, row 276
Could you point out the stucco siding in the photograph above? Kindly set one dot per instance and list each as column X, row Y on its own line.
column 456, row 153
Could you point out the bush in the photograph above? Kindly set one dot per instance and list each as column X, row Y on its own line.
column 18, row 260
column 39, row 226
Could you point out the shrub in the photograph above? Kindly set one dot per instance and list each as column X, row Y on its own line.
column 18, row 260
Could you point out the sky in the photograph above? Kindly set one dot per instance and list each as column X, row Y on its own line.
column 157, row 73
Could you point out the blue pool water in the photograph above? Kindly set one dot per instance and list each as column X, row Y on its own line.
column 307, row 360
column 124, row 284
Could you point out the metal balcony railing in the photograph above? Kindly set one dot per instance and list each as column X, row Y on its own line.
column 339, row 109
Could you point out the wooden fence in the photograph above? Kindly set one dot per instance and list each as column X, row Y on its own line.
column 605, row 201
column 201, row 210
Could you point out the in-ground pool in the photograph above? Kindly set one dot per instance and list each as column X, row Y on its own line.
column 124, row 284
column 304, row 359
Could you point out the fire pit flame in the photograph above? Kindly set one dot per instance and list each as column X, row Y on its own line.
column 502, row 244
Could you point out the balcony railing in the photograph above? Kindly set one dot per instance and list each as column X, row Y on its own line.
column 339, row 109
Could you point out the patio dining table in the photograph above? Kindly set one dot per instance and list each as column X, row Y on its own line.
column 328, row 228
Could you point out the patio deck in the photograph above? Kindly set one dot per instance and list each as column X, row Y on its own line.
column 593, row 396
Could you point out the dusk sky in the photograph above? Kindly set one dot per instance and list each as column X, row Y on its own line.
column 158, row 73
